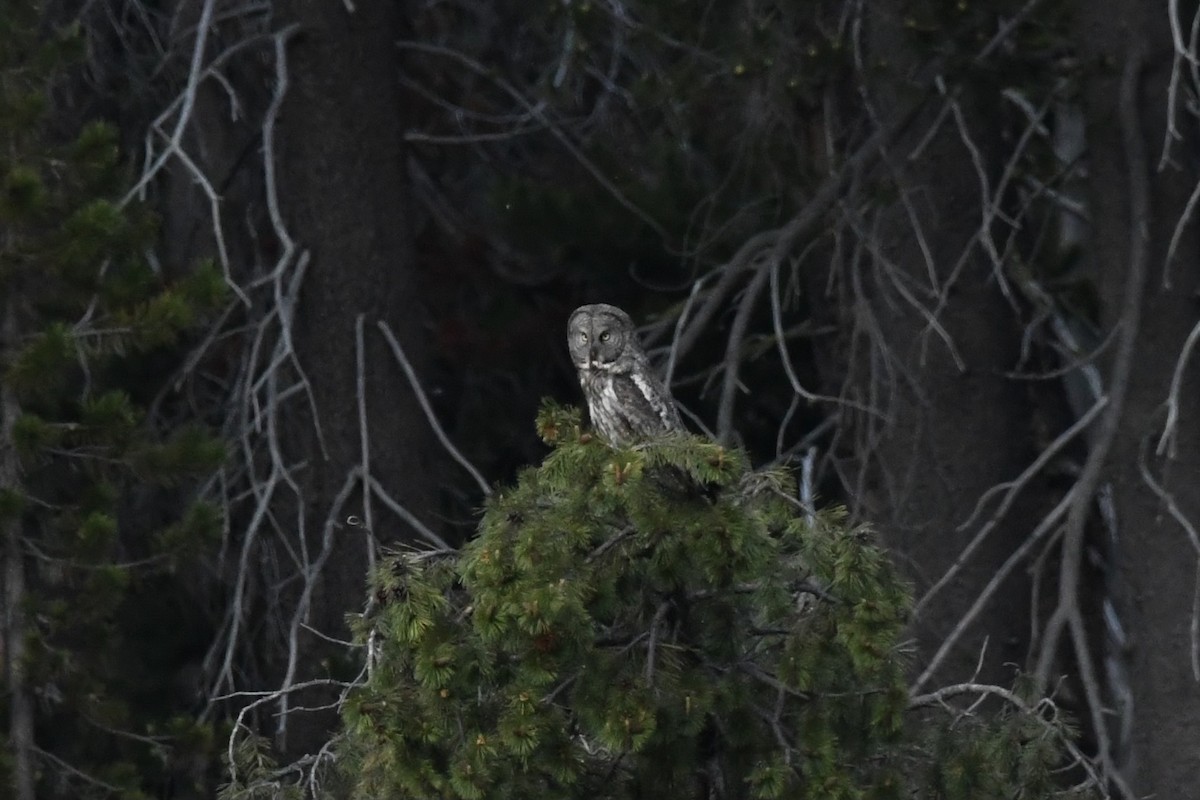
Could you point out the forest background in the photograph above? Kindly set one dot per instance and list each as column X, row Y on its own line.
column 301, row 295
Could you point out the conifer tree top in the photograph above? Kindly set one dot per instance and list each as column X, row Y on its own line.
column 610, row 633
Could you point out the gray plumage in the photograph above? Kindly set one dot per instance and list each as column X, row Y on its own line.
column 626, row 400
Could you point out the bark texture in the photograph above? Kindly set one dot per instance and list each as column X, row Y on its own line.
column 954, row 425
column 20, row 703
column 342, row 178
column 1155, row 576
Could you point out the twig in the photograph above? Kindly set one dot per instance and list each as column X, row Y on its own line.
column 189, row 100
column 1011, row 489
column 438, row 431
column 733, row 355
column 536, row 111
column 91, row 780
column 1166, row 442
column 653, row 640
column 1018, row 555
column 300, row 614
column 1067, row 613
column 364, row 438
column 679, row 323
column 941, row 697
column 1129, row 320
column 407, row 516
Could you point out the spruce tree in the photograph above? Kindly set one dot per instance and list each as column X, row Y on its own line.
column 616, row 632
column 86, row 327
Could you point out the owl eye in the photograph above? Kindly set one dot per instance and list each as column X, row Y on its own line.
column 583, row 336
column 605, row 336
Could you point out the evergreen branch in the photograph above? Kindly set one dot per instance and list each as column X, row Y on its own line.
column 941, row 697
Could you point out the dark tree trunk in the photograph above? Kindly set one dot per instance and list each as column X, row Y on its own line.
column 15, row 629
column 953, row 424
column 343, row 184
column 1156, row 560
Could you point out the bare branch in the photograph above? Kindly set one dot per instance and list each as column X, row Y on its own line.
column 1089, row 479
column 413, row 381
column 1045, row 526
column 1011, row 490
column 1166, row 442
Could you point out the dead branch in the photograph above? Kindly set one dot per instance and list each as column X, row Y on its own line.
column 430, row 416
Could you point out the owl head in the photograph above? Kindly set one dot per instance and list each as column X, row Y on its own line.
column 601, row 337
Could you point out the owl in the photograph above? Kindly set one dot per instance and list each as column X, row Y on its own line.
column 626, row 400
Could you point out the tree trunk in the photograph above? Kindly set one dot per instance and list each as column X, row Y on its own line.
column 1135, row 206
column 928, row 346
column 20, row 727
column 343, row 186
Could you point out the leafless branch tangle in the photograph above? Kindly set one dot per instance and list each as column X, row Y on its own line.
column 836, row 221
column 858, row 412
column 265, row 557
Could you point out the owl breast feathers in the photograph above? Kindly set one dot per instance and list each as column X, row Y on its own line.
column 626, row 400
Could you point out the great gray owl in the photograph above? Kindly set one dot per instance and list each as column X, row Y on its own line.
column 626, row 400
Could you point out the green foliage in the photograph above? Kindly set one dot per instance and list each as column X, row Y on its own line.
column 80, row 309
column 255, row 775
column 658, row 621
column 24, row 194
column 12, row 503
column 200, row 525
column 189, row 451
column 38, row 369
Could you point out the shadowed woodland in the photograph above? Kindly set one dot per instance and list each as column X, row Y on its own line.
column 283, row 286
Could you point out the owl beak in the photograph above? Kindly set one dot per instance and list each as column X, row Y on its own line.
column 592, row 357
